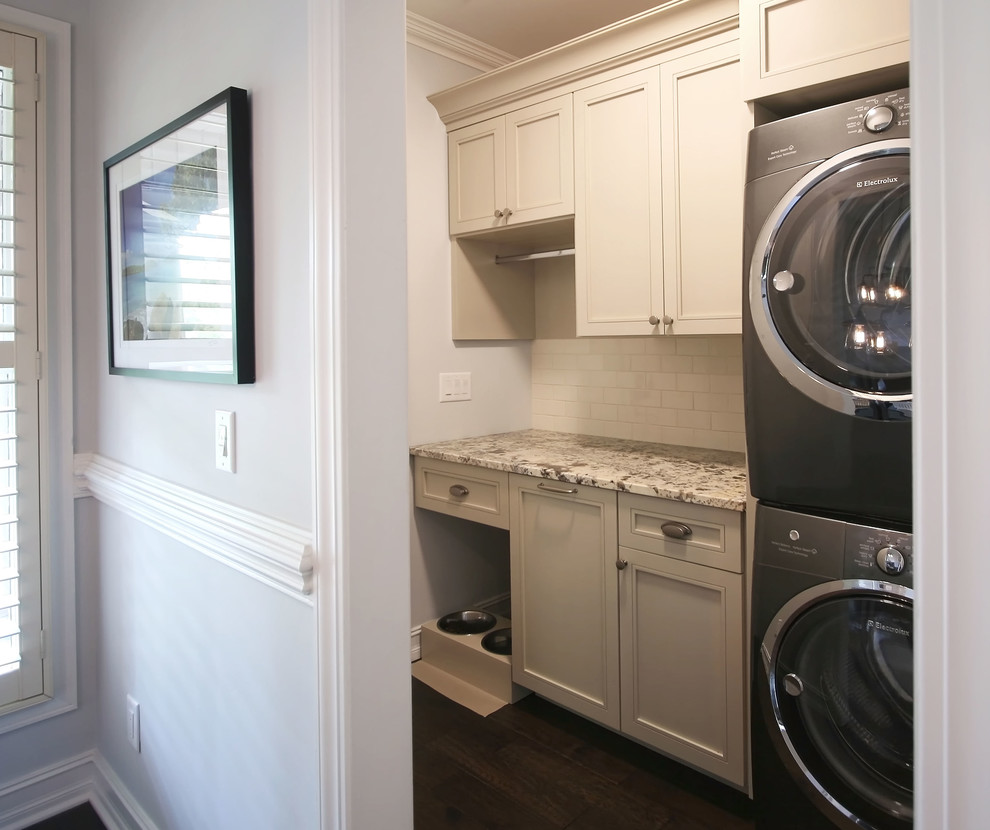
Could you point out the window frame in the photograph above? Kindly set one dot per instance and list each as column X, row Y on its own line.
column 60, row 693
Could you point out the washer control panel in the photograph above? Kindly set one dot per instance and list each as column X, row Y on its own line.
column 832, row 548
column 877, row 553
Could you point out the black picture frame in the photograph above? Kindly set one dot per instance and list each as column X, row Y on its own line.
column 180, row 248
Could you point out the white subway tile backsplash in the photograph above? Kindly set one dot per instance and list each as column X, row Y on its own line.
column 673, row 390
column 677, row 364
column 677, row 400
column 692, row 383
column 691, row 345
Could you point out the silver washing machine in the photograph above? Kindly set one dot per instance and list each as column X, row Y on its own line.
column 827, row 310
column 833, row 696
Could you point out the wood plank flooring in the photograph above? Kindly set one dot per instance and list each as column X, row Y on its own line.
column 535, row 766
column 82, row 817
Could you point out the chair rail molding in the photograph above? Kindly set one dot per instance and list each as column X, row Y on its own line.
column 269, row 550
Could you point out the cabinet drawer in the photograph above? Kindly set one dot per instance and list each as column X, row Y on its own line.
column 473, row 493
column 690, row 532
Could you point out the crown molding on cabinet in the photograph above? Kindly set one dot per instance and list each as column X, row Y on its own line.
column 423, row 32
column 614, row 48
column 269, row 550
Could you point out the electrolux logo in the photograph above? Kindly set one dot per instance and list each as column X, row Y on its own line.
column 888, row 629
column 875, row 182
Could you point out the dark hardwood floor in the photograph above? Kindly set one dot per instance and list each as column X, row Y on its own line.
column 535, row 766
column 82, row 817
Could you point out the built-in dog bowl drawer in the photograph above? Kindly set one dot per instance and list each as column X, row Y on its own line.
column 466, row 622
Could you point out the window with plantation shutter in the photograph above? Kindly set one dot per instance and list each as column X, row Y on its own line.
column 21, row 571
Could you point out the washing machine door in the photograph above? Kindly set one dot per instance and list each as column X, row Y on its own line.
column 830, row 282
column 838, row 660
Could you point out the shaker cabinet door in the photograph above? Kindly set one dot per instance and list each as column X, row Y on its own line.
column 476, row 176
column 618, row 262
column 683, row 675
column 703, row 129
column 565, row 644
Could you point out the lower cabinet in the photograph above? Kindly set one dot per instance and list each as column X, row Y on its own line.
column 565, row 618
column 682, row 650
column 643, row 640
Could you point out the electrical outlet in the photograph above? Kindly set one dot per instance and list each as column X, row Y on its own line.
column 224, row 436
column 134, row 723
column 455, row 386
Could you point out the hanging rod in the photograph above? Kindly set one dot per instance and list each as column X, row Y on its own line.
column 536, row 255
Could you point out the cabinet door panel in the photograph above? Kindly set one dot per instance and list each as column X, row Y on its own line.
column 791, row 44
column 704, row 128
column 617, row 232
column 565, row 596
column 682, row 661
column 540, row 161
column 476, row 175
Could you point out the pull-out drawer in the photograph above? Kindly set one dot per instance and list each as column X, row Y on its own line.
column 695, row 533
column 474, row 493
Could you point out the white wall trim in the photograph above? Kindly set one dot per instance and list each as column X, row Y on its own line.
column 54, row 789
column 415, row 644
column 325, row 154
column 117, row 808
column 423, row 32
column 269, row 550
column 80, row 485
column 46, row 792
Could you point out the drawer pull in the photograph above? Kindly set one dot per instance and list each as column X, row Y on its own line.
column 675, row 530
column 567, row 491
column 458, row 491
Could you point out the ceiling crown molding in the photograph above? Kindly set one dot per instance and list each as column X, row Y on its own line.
column 426, row 34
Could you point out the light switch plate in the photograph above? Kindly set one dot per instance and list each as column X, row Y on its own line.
column 455, row 386
column 224, row 440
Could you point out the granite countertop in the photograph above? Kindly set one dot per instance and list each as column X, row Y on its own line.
column 687, row 474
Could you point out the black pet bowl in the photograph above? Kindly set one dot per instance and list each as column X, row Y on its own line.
column 498, row 641
column 466, row 622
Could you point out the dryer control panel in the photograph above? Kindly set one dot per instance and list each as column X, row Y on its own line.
column 879, row 113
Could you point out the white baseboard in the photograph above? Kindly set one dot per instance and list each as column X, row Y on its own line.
column 114, row 803
column 67, row 784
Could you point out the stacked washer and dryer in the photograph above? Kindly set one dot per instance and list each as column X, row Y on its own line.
column 827, row 369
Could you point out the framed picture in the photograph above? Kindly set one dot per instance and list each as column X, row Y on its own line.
column 180, row 248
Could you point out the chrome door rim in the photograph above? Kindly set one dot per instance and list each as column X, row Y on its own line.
column 790, row 367
column 770, row 646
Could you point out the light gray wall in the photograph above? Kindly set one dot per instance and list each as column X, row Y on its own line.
column 224, row 668
column 453, row 563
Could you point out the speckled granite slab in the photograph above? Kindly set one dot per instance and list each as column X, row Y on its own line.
column 698, row 476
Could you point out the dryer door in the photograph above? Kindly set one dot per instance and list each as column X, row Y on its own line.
column 830, row 282
column 838, row 659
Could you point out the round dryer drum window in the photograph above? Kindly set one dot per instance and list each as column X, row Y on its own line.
column 842, row 690
column 835, row 278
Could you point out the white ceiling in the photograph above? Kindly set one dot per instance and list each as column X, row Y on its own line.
column 522, row 27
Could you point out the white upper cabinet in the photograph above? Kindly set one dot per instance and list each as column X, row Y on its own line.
column 513, row 168
column 703, row 129
column 794, row 44
column 618, row 263
column 659, row 158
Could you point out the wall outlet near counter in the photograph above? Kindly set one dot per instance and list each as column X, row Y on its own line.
column 455, row 386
